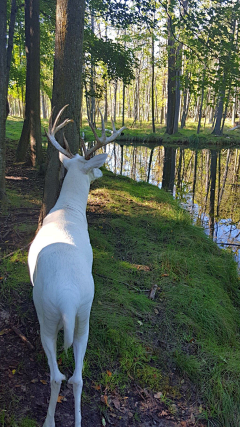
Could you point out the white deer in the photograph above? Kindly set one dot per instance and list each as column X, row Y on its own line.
column 60, row 265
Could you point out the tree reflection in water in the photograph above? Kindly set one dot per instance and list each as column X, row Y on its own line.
column 207, row 182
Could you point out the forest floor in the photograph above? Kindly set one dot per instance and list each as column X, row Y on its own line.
column 24, row 377
column 24, row 374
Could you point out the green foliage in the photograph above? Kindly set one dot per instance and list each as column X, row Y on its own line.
column 118, row 60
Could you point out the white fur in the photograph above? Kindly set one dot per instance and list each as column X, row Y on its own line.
column 60, row 265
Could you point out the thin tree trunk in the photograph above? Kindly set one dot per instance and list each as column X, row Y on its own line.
column 153, row 85
column 171, row 74
column 178, row 76
column 123, row 106
column 3, row 97
column 201, row 105
column 32, row 124
column 10, row 37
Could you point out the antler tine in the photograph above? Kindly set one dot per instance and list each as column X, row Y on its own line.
column 50, row 125
column 67, row 145
column 55, row 127
column 103, row 140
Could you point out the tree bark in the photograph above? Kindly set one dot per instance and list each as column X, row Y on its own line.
column 10, row 37
column 31, row 131
column 3, row 97
column 66, row 88
column 153, row 85
column 171, row 74
column 217, row 128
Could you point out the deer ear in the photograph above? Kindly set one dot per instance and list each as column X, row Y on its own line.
column 95, row 162
column 64, row 160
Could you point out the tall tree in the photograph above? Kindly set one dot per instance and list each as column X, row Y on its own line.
column 171, row 70
column 67, row 86
column 3, row 95
column 32, row 124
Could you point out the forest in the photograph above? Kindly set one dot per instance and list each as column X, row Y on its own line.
column 149, row 62
column 163, row 220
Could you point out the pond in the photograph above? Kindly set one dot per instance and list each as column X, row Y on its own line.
column 206, row 181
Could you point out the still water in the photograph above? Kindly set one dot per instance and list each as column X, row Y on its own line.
column 207, row 183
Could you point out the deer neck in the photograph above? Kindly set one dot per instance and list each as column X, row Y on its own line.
column 74, row 193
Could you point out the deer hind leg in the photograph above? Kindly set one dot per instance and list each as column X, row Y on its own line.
column 49, row 341
column 79, row 348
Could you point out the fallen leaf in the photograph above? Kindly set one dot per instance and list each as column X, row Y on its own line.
column 109, row 373
column 43, row 382
column 104, row 399
column 116, row 403
column 14, row 371
column 96, row 387
column 60, row 398
column 162, row 414
column 4, row 331
column 35, row 380
column 165, row 275
column 158, row 395
column 183, row 424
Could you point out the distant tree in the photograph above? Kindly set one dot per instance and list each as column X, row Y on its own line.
column 31, row 131
column 3, row 95
column 171, row 70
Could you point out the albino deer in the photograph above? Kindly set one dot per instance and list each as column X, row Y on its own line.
column 60, row 265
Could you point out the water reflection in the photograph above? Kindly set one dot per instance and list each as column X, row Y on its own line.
column 207, row 182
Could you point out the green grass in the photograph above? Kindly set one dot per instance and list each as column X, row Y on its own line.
column 144, row 238
column 142, row 132
column 141, row 238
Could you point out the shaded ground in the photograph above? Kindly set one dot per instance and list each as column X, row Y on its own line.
column 24, row 374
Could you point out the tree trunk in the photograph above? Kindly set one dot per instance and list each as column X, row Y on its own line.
column 201, row 104
column 234, row 107
column 10, row 37
column 32, row 124
column 153, row 85
column 178, row 77
column 66, row 88
column 217, row 128
column 3, row 97
column 171, row 75
column 115, row 101
column 123, row 106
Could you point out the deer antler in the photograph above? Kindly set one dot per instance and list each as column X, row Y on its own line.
column 53, row 129
column 103, row 140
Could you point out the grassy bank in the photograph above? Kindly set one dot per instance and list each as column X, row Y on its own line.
column 188, row 334
column 142, row 133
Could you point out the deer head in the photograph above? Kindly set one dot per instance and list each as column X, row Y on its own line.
column 100, row 141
